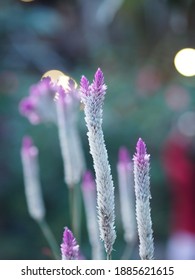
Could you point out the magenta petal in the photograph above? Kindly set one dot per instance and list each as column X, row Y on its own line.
column 88, row 181
column 84, row 85
column 141, row 148
column 69, row 247
column 124, row 155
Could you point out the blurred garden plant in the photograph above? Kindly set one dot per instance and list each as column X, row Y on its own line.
column 57, row 98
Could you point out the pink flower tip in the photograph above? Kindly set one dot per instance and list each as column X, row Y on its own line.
column 84, row 85
column 99, row 77
column 26, row 106
column 27, row 142
column 141, row 148
column 123, row 155
column 69, row 247
column 28, row 146
column 98, row 86
column 88, row 181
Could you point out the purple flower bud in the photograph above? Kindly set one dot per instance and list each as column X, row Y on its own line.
column 69, row 247
column 27, row 108
column 124, row 158
column 28, row 147
column 38, row 106
column 84, row 86
column 141, row 149
column 27, row 142
column 98, row 87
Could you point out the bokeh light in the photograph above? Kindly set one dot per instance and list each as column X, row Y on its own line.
column 186, row 123
column 27, row 1
column 177, row 97
column 60, row 78
column 185, row 62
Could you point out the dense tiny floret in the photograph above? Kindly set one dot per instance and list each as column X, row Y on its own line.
column 93, row 96
column 69, row 246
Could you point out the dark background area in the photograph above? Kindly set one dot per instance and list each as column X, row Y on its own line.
column 134, row 44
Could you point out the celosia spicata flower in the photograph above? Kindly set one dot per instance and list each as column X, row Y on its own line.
column 39, row 106
column 54, row 101
column 142, row 192
column 89, row 197
column 93, row 96
column 126, row 195
column 29, row 155
column 69, row 246
column 72, row 153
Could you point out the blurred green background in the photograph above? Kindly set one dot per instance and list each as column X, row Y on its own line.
column 134, row 42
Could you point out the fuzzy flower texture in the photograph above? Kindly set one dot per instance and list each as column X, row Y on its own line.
column 39, row 107
column 29, row 155
column 69, row 247
column 143, row 196
column 93, row 96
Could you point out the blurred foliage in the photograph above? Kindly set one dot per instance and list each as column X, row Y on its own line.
column 135, row 49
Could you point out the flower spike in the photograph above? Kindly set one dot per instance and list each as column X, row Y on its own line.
column 69, row 247
column 126, row 195
column 143, row 196
column 93, row 96
column 35, row 203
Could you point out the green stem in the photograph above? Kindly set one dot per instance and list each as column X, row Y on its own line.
column 127, row 251
column 109, row 256
column 50, row 238
column 71, row 204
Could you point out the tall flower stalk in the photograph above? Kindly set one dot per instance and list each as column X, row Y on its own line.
column 93, row 96
column 55, row 99
column 142, row 191
column 67, row 105
column 127, row 199
column 35, row 203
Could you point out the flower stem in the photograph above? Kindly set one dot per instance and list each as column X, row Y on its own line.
column 50, row 238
